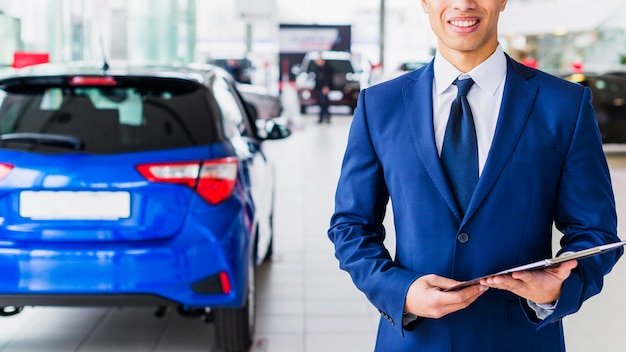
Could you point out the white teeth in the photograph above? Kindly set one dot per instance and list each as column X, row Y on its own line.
column 463, row 24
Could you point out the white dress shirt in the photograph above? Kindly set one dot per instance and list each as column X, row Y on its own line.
column 485, row 98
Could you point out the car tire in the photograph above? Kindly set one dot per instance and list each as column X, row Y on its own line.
column 234, row 327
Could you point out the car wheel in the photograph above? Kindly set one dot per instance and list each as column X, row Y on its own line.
column 234, row 327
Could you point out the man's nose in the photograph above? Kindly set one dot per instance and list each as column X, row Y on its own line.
column 464, row 5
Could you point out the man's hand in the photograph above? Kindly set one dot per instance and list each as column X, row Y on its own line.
column 426, row 299
column 539, row 286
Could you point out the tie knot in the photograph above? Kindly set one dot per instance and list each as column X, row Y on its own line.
column 464, row 86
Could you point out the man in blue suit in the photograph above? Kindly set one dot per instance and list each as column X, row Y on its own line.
column 540, row 164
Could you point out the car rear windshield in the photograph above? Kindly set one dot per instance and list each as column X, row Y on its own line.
column 124, row 115
column 337, row 66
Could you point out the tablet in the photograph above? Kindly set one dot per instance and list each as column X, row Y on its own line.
column 545, row 263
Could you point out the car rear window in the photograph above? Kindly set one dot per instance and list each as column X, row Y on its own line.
column 337, row 66
column 609, row 90
column 129, row 115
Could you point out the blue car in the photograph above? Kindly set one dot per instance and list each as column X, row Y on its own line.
column 134, row 186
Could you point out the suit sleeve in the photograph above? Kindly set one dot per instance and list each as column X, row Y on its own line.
column 585, row 212
column 356, row 227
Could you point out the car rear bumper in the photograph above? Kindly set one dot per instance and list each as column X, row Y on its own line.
column 308, row 97
column 188, row 271
column 75, row 300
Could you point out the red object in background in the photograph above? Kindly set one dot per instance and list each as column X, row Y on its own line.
column 24, row 58
column 577, row 67
column 531, row 62
column 374, row 66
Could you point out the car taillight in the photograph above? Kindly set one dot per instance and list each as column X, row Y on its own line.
column 226, row 287
column 213, row 180
column 5, row 169
column 93, row 81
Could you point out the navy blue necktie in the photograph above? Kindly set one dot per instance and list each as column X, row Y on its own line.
column 460, row 151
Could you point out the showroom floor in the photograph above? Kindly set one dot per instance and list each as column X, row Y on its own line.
column 306, row 304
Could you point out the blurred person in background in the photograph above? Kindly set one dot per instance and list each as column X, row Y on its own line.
column 234, row 68
column 323, row 82
column 533, row 160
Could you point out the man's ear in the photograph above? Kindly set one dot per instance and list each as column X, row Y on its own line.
column 503, row 5
column 424, row 5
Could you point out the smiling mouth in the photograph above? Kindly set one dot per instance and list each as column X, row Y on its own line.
column 464, row 23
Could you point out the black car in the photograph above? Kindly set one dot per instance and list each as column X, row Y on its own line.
column 265, row 104
column 609, row 102
column 240, row 68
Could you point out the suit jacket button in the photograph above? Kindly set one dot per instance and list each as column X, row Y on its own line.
column 462, row 237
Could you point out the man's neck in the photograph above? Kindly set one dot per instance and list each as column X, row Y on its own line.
column 465, row 61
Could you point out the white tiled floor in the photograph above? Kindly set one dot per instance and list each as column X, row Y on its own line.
column 306, row 304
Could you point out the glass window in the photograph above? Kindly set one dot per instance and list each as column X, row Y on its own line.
column 137, row 114
column 234, row 118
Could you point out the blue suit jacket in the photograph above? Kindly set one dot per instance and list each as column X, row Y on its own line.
column 546, row 166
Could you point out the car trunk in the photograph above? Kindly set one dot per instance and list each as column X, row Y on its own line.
column 73, row 146
column 77, row 197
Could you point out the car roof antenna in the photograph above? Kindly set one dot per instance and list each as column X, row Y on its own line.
column 105, row 64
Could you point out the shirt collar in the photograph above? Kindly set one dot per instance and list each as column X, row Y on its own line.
column 488, row 75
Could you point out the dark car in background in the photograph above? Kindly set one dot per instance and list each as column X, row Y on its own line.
column 265, row 104
column 134, row 186
column 609, row 102
column 346, row 81
column 240, row 68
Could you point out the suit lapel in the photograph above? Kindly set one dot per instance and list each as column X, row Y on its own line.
column 517, row 101
column 419, row 109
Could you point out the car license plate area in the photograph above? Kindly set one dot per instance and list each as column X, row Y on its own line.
column 74, row 205
column 335, row 95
